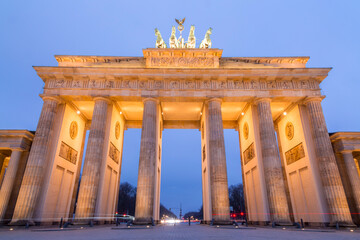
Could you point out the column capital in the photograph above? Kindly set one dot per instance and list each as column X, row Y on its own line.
column 18, row 149
column 151, row 99
column 313, row 99
column 98, row 98
column 347, row 151
column 52, row 97
column 214, row 100
column 259, row 100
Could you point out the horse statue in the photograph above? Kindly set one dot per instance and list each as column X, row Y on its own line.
column 206, row 42
column 173, row 42
column 159, row 40
column 191, row 43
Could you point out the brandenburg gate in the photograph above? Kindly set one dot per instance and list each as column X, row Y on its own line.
column 289, row 168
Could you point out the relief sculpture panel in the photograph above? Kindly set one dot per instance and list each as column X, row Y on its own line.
column 249, row 154
column 114, row 153
column 295, row 154
column 68, row 153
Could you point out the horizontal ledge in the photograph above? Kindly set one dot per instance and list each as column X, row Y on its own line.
column 180, row 124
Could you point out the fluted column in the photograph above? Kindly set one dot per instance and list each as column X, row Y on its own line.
column 274, row 179
column 354, row 178
column 89, row 184
column 2, row 160
column 329, row 172
column 146, row 177
column 34, row 172
column 9, row 179
column 218, row 174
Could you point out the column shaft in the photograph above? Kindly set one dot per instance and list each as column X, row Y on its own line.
column 89, row 184
column 9, row 179
column 354, row 178
column 329, row 172
column 218, row 174
column 34, row 172
column 146, row 178
column 274, row 179
column 2, row 160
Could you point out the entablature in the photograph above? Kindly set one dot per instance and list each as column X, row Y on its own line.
column 345, row 141
column 186, row 79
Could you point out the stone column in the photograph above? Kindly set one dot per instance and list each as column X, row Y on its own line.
column 274, row 179
column 217, row 160
column 2, row 160
column 353, row 175
column 34, row 172
column 89, row 184
column 9, row 179
column 329, row 172
column 146, row 178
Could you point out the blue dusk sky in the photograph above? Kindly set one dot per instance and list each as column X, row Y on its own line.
column 32, row 32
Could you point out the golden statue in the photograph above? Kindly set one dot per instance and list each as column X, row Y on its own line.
column 206, row 42
column 173, row 42
column 159, row 40
column 191, row 43
column 180, row 28
column 180, row 22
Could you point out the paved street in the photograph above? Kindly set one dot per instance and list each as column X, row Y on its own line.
column 173, row 232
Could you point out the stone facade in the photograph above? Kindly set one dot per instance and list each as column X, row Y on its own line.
column 289, row 168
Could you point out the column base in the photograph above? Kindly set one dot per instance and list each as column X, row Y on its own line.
column 22, row 223
column 341, row 224
column 222, row 222
column 144, row 221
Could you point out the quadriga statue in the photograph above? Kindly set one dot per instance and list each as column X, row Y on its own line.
column 191, row 43
column 159, row 40
column 206, row 42
column 173, row 42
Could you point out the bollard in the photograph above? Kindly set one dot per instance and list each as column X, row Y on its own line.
column 91, row 223
column 152, row 222
column 337, row 226
column 246, row 222
column 61, row 223
column 273, row 224
column 302, row 223
column 117, row 219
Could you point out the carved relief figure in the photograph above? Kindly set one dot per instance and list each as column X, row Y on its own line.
column 173, row 42
column 117, row 130
column 159, row 40
column 289, row 130
column 206, row 42
column 73, row 129
column 191, row 43
column 246, row 131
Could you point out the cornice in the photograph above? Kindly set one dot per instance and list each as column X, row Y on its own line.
column 318, row 74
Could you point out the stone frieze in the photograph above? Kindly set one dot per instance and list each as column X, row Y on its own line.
column 183, row 84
